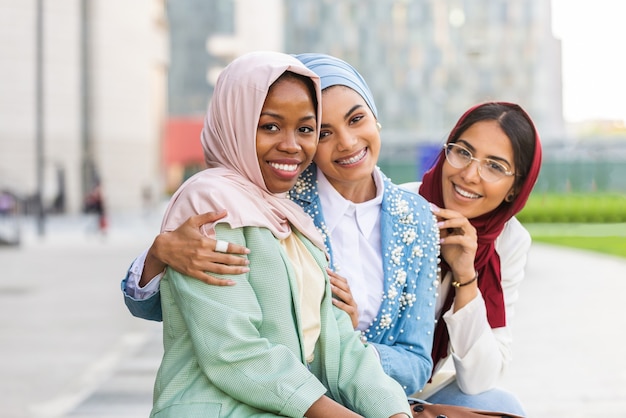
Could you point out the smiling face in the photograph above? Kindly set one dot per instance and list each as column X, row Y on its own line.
column 349, row 143
column 286, row 137
column 463, row 189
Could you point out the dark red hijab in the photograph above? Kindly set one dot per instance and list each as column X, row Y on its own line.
column 488, row 228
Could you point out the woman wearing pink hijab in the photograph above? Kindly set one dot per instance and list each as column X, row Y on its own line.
column 274, row 344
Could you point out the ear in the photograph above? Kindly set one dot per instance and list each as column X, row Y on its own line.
column 510, row 196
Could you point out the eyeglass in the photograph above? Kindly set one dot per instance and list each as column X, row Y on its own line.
column 489, row 170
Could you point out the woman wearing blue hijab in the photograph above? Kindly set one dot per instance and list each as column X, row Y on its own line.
column 383, row 241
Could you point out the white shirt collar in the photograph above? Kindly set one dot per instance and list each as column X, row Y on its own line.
column 336, row 206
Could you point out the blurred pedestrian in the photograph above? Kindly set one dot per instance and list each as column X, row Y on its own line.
column 94, row 203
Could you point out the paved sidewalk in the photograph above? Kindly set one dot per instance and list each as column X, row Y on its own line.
column 72, row 350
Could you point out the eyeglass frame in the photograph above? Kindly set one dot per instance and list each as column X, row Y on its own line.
column 505, row 173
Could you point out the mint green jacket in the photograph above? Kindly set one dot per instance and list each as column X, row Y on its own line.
column 237, row 351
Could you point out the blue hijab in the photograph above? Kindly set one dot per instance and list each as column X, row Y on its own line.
column 335, row 72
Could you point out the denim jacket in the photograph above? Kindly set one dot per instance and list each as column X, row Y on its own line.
column 402, row 332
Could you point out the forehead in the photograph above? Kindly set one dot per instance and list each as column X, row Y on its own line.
column 487, row 139
column 338, row 99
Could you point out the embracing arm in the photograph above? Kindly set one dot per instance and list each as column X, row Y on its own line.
column 480, row 353
column 186, row 250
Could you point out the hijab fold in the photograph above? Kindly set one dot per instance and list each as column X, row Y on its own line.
column 336, row 72
column 234, row 181
column 488, row 228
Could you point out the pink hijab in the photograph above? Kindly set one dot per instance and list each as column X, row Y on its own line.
column 233, row 180
column 488, row 227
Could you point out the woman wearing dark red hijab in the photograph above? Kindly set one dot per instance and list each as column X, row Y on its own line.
column 481, row 179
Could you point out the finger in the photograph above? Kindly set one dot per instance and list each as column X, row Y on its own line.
column 224, row 269
column 461, row 222
column 214, row 281
column 341, row 294
column 342, row 305
column 446, row 213
column 339, row 283
column 207, row 217
column 460, row 240
column 227, row 259
column 334, row 275
column 230, row 248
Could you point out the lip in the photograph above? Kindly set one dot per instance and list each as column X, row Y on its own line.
column 285, row 168
column 464, row 193
column 353, row 159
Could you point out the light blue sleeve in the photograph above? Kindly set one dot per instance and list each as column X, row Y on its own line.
column 148, row 308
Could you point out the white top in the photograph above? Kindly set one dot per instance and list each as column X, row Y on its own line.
column 354, row 230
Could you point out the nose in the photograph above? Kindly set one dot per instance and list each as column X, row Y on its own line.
column 345, row 141
column 289, row 143
column 471, row 173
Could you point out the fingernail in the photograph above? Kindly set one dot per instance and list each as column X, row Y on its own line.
column 434, row 207
column 439, row 224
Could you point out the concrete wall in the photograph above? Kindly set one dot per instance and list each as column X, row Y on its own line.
column 126, row 44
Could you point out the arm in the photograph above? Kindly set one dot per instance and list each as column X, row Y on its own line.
column 190, row 252
column 480, row 353
column 187, row 250
column 142, row 303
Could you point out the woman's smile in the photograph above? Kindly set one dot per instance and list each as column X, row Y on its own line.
column 353, row 159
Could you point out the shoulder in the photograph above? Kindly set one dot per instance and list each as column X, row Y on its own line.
column 206, row 191
column 413, row 186
column 514, row 237
column 305, row 189
column 405, row 202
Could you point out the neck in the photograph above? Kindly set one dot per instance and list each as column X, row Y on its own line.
column 356, row 192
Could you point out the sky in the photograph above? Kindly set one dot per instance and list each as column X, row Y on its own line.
column 593, row 35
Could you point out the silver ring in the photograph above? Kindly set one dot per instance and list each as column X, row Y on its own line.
column 221, row 246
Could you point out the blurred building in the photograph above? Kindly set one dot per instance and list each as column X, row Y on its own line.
column 82, row 100
column 120, row 108
column 427, row 61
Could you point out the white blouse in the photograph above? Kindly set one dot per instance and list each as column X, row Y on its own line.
column 354, row 230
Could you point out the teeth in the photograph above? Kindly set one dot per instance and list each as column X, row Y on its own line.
column 354, row 159
column 466, row 193
column 285, row 167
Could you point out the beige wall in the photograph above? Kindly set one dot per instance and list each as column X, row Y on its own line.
column 128, row 85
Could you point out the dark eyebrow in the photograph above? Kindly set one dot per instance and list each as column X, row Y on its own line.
column 277, row 116
column 352, row 109
column 274, row 115
column 346, row 116
column 491, row 157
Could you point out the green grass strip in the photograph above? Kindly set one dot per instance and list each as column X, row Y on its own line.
column 602, row 238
